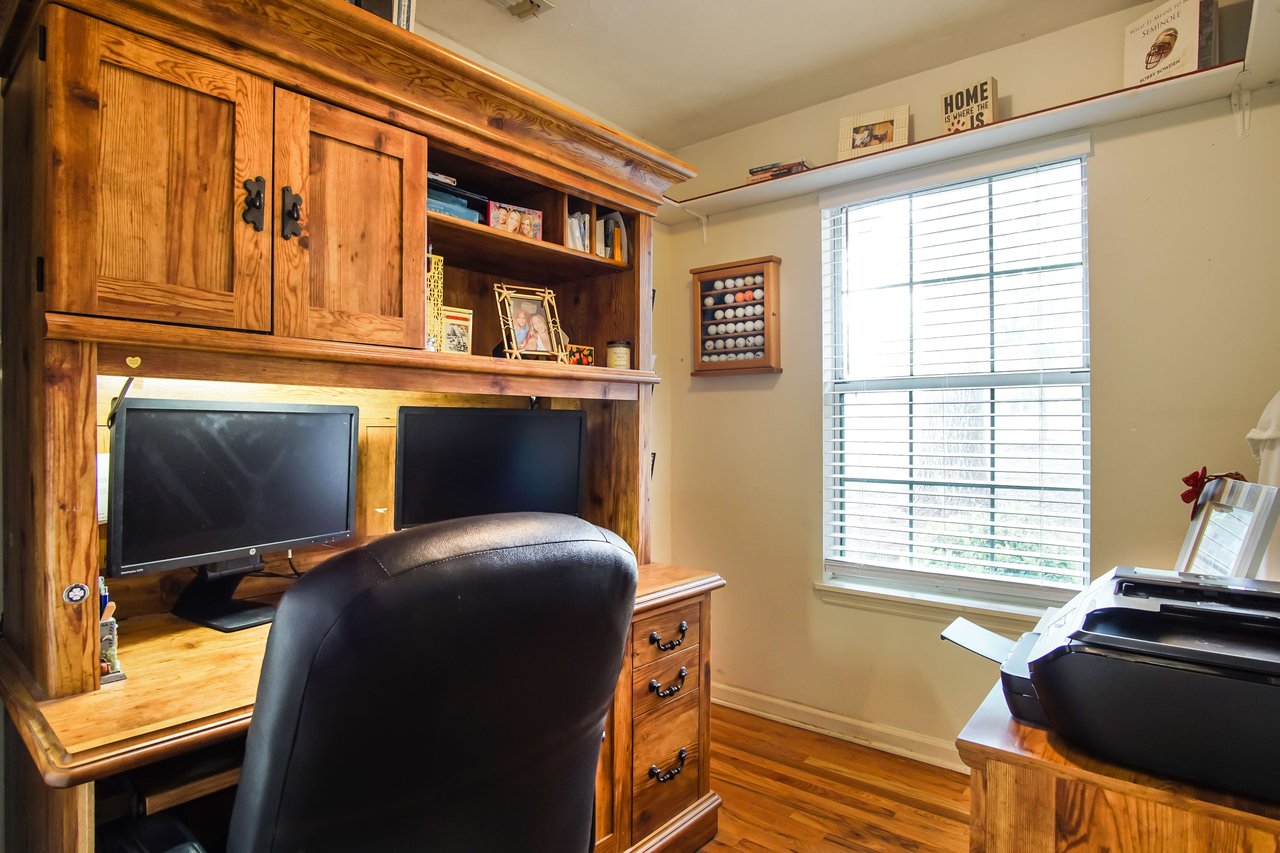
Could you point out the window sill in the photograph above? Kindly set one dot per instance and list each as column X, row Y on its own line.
column 933, row 606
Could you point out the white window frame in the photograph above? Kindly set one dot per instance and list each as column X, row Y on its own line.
column 1005, row 601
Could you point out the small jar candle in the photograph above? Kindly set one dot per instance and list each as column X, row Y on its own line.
column 620, row 354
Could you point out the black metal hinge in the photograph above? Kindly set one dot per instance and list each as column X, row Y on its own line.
column 40, row 274
column 43, row 40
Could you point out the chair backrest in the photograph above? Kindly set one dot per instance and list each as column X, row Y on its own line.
column 441, row 689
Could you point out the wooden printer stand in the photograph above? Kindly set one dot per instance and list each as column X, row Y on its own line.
column 1033, row 792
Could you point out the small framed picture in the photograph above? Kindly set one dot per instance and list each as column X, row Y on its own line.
column 580, row 354
column 530, row 323
column 867, row 133
column 517, row 220
column 457, row 330
column 398, row 12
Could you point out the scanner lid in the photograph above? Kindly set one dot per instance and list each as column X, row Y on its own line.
column 1213, row 636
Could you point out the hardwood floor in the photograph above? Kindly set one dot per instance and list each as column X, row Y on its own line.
column 788, row 789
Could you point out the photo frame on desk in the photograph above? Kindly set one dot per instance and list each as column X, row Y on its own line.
column 1230, row 529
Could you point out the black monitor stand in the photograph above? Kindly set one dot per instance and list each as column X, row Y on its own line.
column 207, row 600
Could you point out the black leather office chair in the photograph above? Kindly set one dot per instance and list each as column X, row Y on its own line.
column 440, row 689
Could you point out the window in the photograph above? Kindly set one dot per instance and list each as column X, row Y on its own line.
column 956, row 387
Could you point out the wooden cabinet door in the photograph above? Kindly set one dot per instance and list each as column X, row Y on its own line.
column 151, row 146
column 355, row 271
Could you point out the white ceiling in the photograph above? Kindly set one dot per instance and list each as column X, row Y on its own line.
column 680, row 71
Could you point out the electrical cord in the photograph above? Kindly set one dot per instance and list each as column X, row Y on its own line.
column 292, row 567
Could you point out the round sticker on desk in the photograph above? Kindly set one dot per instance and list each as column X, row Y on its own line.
column 75, row 593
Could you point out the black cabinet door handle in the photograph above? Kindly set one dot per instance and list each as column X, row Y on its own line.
column 668, row 775
column 656, row 687
column 290, row 214
column 254, row 201
column 656, row 640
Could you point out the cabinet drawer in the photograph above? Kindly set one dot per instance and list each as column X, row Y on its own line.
column 666, row 672
column 660, row 635
column 658, row 739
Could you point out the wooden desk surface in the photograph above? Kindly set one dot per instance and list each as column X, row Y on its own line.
column 188, row 686
column 992, row 734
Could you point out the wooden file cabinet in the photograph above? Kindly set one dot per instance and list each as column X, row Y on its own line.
column 670, row 707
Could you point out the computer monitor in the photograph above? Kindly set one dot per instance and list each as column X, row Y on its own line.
column 214, row 486
column 452, row 463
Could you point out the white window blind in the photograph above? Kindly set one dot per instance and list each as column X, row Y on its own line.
column 956, row 382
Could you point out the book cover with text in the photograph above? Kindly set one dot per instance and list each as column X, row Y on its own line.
column 1176, row 38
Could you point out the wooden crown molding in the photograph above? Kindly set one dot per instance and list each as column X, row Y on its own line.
column 330, row 49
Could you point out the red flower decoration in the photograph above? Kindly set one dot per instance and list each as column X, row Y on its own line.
column 1197, row 480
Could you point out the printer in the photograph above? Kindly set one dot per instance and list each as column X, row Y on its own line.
column 1176, row 674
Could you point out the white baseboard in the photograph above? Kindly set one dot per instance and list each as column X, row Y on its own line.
column 926, row 748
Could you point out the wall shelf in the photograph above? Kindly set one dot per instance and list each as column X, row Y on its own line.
column 1161, row 96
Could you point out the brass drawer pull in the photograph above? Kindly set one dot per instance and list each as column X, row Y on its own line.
column 656, row 640
column 656, row 687
column 655, row 773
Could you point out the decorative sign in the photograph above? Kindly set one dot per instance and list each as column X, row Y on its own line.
column 972, row 106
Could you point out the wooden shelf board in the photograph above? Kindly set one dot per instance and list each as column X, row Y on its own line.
column 484, row 249
column 729, row 367
column 185, row 352
column 1160, row 96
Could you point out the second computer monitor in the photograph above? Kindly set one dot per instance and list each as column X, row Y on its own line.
column 453, row 462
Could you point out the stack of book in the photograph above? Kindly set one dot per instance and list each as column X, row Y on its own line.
column 611, row 238
column 775, row 170
column 576, row 233
column 443, row 196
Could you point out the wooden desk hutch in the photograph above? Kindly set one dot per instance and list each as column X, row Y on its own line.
column 130, row 130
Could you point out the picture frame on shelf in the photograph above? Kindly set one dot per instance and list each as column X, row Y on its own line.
column 582, row 354
column 530, row 323
column 869, row 133
column 398, row 12
column 457, row 330
column 513, row 219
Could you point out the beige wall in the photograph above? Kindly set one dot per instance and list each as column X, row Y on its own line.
column 1184, row 247
column 668, row 363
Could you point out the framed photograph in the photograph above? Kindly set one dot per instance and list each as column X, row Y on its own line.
column 457, row 330
column 868, row 133
column 398, row 12
column 1230, row 529
column 530, row 323
column 517, row 220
